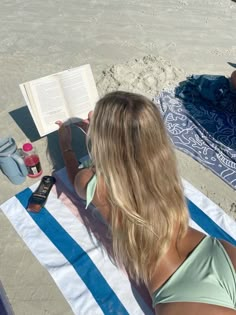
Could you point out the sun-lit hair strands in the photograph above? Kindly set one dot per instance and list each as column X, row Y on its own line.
column 132, row 153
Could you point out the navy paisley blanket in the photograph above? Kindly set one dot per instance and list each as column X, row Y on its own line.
column 200, row 116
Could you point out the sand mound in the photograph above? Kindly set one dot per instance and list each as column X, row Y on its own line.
column 148, row 76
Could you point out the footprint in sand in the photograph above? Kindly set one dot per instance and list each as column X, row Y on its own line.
column 233, row 208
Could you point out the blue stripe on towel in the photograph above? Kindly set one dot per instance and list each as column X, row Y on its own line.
column 78, row 258
column 207, row 224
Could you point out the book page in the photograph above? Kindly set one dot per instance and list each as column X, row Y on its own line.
column 79, row 90
column 25, row 94
column 25, row 89
column 49, row 102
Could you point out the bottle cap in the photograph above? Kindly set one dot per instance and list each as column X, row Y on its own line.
column 27, row 147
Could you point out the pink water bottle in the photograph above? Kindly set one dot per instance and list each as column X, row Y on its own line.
column 32, row 161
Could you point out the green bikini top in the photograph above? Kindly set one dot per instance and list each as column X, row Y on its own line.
column 206, row 276
column 86, row 162
column 90, row 191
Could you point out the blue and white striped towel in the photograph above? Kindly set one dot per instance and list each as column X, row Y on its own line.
column 69, row 242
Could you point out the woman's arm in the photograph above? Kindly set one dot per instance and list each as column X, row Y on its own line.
column 71, row 164
column 69, row 157
column 81, row 177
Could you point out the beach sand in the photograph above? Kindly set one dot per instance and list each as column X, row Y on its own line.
column 142, row 47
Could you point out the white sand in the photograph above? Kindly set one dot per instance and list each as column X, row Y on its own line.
column 139, row 46
column 147, row 75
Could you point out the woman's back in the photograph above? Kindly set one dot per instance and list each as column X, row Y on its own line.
column 140, row 193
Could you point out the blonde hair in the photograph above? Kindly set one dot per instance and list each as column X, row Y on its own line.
column 132, row 153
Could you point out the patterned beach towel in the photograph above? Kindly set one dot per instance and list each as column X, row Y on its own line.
column 73, row 243
column 200, row 116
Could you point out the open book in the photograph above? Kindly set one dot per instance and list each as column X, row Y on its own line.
column 60, row 96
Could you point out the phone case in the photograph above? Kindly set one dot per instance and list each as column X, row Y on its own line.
column 39, row 197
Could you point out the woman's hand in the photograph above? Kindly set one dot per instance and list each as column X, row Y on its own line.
column 64, row 131
column 84, row 124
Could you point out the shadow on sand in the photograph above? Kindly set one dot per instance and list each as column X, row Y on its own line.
column 24, row 120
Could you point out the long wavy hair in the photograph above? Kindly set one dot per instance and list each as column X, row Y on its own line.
column 133, row 155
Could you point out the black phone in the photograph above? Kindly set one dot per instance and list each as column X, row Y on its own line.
column 39, row 197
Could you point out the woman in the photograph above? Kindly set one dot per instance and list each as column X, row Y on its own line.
column 135, row 185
